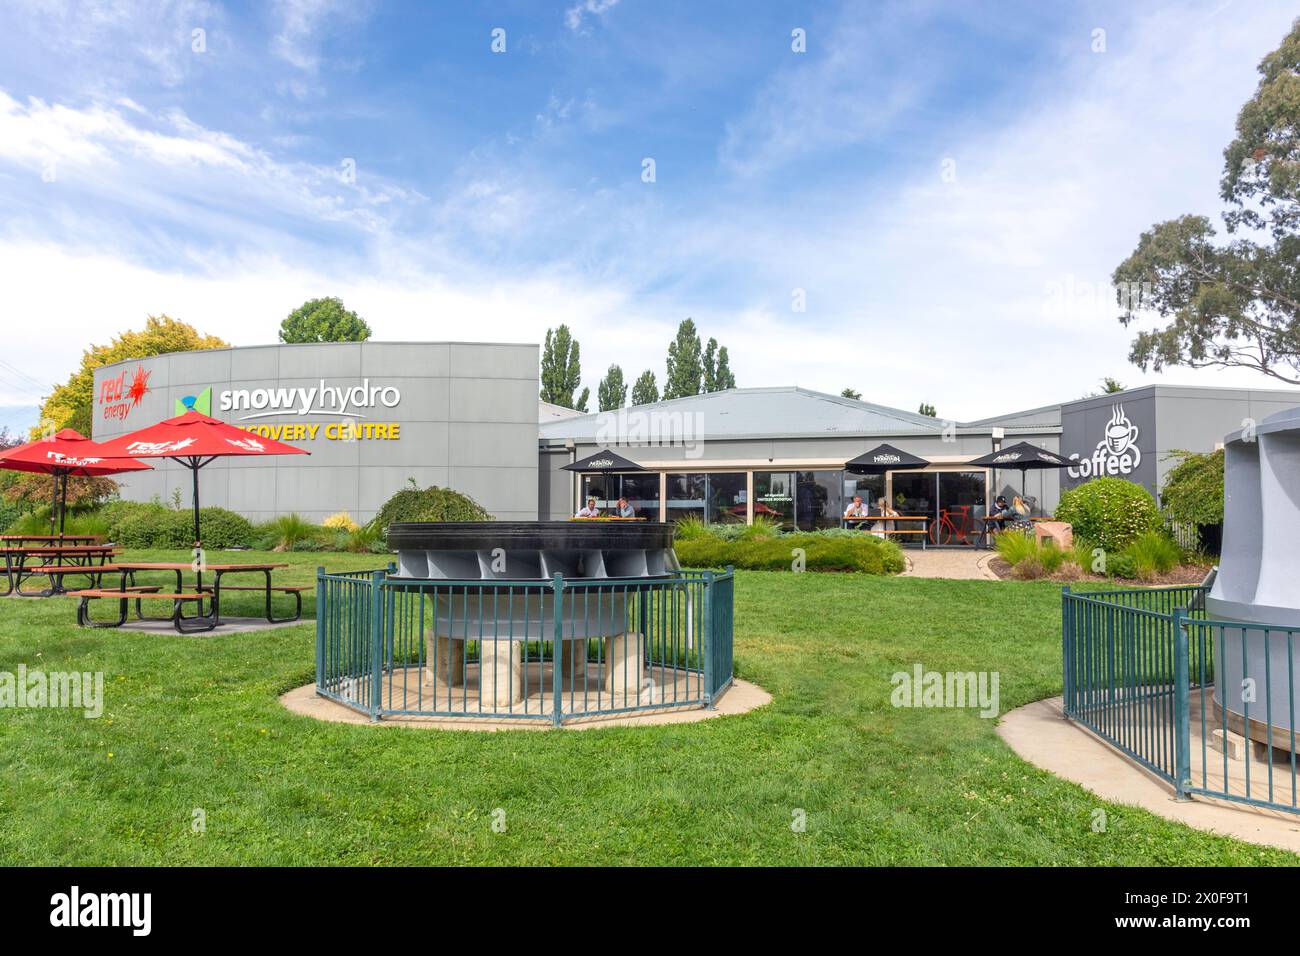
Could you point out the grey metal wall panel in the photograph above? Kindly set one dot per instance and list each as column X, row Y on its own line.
column 491, row 454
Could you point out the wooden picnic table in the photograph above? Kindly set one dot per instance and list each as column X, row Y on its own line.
column 848, row 522
column 606, row 518
column 211, row 593
column 54, row 562
column 18, row 540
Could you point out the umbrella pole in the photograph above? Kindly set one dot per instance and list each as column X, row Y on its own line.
column 63, row 506
column 54, row 501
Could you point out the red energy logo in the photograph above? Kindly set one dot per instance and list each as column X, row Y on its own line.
column 119, row 396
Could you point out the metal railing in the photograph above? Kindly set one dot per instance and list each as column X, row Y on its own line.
column 1207, row 705
column 523, row 649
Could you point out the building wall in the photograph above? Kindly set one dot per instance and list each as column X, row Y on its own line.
column 1164, row 419
column 466, row 417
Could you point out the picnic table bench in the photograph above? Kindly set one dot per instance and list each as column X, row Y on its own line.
column 920, row 520
column 180, row 596
column 54, row 562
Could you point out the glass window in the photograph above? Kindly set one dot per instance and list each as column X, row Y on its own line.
column 870, row 487
column 726, row 498
column 914, row 493
column 774, row 496
column 640, row 488
column 686, row 496
column 817, row 497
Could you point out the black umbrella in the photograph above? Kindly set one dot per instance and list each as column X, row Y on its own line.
column 1023, row 457
column 881, row 459
column 606, row 463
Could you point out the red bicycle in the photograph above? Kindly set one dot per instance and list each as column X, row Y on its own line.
column 953, row 523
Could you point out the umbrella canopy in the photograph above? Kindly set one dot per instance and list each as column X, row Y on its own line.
column 1023, row 457
column 604, row 461
column 881, row 459
column 67, row 452
column 195, row 440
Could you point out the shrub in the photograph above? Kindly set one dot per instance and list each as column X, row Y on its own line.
column 134, row 524
column 689, row 528
column 362, row 540
column 340, row 521
column 1121, row 565
column 861, row 553
column 1110, row 511
column 1193, row 490
column 1152, row 553
column 1030, row 558
column 289, row 532
column 429, row 504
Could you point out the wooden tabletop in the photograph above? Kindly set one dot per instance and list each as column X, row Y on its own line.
column 61, row 549
column 71, row 538
column 889, row 518
column 189, row 566
column 603, row 518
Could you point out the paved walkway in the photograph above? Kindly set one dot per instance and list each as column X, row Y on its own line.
column 965, row 565
column 1040, row 734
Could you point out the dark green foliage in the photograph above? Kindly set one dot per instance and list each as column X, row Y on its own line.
column 1109, row 511
column 429, row 504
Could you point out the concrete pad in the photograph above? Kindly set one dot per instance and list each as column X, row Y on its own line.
column 1040, row 734
column 955, row 564
column 740, row 698
column 228, row 625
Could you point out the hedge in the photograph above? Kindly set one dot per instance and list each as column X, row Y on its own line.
column 134, row 524
column 858, row 552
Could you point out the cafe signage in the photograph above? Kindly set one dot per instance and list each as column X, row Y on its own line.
column 1116, row 454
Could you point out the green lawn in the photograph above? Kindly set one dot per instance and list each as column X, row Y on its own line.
column 193, row 723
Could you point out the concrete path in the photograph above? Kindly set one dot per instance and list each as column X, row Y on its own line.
column 965, row 565
column 1040, row 734
column 740, row 698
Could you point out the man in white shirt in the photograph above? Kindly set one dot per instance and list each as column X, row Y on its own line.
column 591, row 511
column 857, row 509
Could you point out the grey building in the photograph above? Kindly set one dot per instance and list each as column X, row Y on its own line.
column 780, row 452
column 374, row 415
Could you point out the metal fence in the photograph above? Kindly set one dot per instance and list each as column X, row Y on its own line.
column 1207, row 705
column 530, row 650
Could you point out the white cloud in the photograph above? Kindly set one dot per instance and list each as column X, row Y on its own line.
column 303, row 26
column 575, row 15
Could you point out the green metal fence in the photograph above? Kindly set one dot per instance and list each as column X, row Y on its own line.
column 550, row 651
column 1207, row 705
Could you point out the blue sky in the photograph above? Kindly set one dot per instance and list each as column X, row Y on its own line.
column 943, row 181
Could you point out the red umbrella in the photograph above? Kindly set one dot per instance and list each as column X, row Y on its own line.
column 195, row 440
column 62, row 454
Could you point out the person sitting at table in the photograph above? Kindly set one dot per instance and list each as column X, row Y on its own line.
column 879, row 528
column 591, row 511
column 625, row 509
column 1001, row 514
column 857, row 509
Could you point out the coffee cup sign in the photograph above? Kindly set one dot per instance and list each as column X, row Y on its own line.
column 1116, row 454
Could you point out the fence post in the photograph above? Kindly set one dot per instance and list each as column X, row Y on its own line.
column 706, row 640
column 1067, row 652
column 320, row 628
column 557, row 653
column 376, row 642
column 1182, row 715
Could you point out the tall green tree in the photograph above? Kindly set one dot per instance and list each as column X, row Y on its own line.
column 612, row 391
column 1231, row 303
column 685, row 363
column 645, row 391
column 722, row 376
column 928, row 409
column 850, row 393
column 323, row 320
column 1109, row 386
column 581, row 403
column 561, row 369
